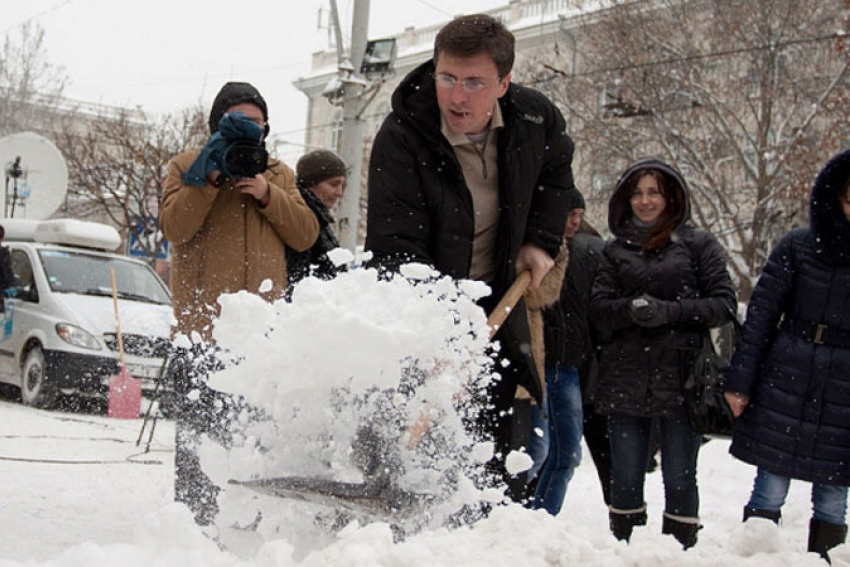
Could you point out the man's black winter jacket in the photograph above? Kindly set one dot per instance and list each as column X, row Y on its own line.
column 420, row 208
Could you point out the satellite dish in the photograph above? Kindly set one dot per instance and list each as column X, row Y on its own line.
column 35, row 176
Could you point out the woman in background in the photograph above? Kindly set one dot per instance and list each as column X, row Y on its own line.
column 321, row 179
column 661, row 285
column 791, row 385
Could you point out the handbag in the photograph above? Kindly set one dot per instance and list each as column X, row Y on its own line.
column 703, row 387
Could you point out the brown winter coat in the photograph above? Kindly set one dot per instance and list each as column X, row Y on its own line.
column 536, row 300
column 223, row 242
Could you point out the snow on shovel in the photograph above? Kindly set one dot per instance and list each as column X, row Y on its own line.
column 125, row 392
column 494, row 321
column 377, row 497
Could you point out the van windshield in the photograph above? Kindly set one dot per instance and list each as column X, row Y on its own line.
column 88, row 274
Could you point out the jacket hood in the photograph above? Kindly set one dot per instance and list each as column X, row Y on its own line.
column 830, row 227
column 415, row 100
column 619, row 209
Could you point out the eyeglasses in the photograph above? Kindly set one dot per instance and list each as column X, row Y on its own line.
column 470, row 85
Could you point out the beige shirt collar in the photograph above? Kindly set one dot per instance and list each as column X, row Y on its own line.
column 456, row 139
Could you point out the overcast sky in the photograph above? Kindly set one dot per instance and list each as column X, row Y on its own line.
column 163, row 55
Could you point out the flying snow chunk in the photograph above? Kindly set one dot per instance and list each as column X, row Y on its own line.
column 483, row 452
column 417, row 271
column 266, row 286
column 518, row 462
column 340, row 256
column 475, row 289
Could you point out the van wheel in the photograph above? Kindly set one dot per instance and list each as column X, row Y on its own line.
column 36, row 389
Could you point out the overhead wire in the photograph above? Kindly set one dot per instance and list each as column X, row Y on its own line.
column 435, row 8
column 36, row 16
column 697, row 57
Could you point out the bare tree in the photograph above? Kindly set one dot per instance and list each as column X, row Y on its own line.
column 119, row 164
column 30, row 87
column 748, row 98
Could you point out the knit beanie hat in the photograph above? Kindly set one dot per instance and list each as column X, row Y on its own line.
column 575, row 200
column 317, row 166
column 234, row 93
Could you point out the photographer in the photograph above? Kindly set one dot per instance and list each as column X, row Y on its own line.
column 229, row 212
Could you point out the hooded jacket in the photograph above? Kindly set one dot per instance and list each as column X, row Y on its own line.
column 420, row 208
column 797, row 422
column 224, row 242
column 640, row 369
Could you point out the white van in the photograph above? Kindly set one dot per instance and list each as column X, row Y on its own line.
column 58, row 330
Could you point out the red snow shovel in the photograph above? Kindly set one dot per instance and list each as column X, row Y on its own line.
column 125, row 392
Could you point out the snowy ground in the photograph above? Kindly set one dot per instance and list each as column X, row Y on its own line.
column 76, row 490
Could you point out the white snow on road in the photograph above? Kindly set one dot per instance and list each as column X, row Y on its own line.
column 114, row 513
column 76, row 490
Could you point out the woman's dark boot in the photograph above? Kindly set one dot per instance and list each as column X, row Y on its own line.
column 622, row 522
column 823, row 536
column 683, row 528
column 766, row 514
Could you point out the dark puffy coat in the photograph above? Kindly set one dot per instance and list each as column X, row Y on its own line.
column 640, row 369
column 314, row 261
column 420, row 209
column 797, row 423
column 567, row 327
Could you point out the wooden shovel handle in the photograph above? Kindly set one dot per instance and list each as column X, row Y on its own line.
column 508, row 302
column 117, row 317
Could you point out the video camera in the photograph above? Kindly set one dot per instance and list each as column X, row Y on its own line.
column 244, row 159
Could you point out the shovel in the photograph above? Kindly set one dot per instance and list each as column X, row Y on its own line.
column 377, row 497
column 508, row 302
column 125, row 392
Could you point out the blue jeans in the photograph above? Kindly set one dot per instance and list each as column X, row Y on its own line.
column 538, row 444
column 563, row 393
column 679, row 448
column 769, row 492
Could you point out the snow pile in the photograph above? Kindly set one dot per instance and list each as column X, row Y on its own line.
column 509, row 536
column 340, row 379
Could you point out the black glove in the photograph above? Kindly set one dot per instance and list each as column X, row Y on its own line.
column 650, row 312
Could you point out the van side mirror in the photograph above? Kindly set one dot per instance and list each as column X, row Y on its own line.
column 26, row 292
